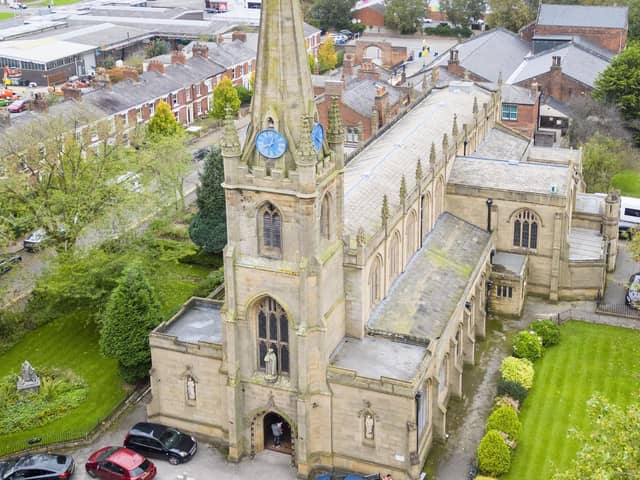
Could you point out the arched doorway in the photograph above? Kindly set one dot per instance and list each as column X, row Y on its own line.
column 270, row 420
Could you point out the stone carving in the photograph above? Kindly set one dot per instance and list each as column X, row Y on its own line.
column 28, row 381
column 191, row 388
column 369, row 419
column 369, row 426
column 271, row 366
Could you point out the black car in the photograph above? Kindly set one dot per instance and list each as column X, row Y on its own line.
column 160, row 441
column 37, row 466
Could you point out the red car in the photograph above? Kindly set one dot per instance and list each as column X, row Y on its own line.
column 18, row 106
column 119, row 463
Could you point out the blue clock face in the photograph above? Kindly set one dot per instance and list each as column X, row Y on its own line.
column 271, row 144
column 317, row 136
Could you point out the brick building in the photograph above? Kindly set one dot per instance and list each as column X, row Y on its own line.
column 370, row 14
column 520, row 108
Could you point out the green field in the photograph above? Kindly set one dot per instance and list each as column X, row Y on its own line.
column 590, row 358
column 5, row 15
column 628, row 182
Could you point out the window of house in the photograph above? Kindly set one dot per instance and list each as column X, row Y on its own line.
column 198, row 90
column 504, row 291
column 139, row 115
column 525, row 229
column 325, row 218
column 271, row 229
column 509, row 111
column 352, row 135
column 152, row 109
column 273, row 332
column 174, row 99
column 188, row 93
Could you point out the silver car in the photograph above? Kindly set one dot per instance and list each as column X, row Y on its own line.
column 633, row 291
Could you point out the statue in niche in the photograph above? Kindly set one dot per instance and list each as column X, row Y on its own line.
column 191, row 388
column 271, row 365
column 369, row 426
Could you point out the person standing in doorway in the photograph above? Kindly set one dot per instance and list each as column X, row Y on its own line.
column 276, row 429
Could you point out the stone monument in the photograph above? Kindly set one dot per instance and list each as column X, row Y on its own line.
column 28, row 381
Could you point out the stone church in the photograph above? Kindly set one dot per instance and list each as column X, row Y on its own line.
column 355, row 292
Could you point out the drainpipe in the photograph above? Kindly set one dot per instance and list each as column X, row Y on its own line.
column 489, row 203
column 418, row 398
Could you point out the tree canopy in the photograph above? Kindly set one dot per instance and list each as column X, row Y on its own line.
column 405, row 16
column 163, row 122
column 331, row 14
column 208, row 228
column 224, row 95
column 463, row 12
column 327, row 57
column 510, row 14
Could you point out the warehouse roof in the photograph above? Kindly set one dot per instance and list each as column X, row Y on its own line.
column 583, row 16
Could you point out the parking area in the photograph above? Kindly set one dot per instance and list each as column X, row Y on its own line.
column 616, row 281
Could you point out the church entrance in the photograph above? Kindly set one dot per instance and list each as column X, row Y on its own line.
column 275, row 423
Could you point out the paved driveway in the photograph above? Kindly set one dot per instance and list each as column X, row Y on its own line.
column 616, row 281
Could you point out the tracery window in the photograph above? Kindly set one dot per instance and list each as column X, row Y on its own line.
column 394, row 256
column 271, row 229
column 375, row 282
column 525, row 229
column 273, row 332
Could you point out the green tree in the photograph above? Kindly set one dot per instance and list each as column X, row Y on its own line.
column 163, row 122
column 331, row 14
column 601, row 160
column 132, row 311
column 224, row 95
column 327, row 56
column 612, row 448
column 156, row 47
column 494, row 455
column 510, row 14
column 404, row 15
column 462, row 12
column 244, row 94
column 505, row 419
column 208, row 228
column 619, row 84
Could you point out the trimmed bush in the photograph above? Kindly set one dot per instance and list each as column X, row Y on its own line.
column 527, row 345
column 513, row 390
column 494, row 455
column 548, row 331
column 505, row 419
column 507, row 400
column 518, row 370
column 482, row 477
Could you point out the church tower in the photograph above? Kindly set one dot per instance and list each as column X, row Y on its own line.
column 284, row 311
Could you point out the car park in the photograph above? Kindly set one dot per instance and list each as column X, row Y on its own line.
column 35, row 241
column 119, row 463
column 632, row 297
column 7, row 263
column 159, row 441
column 37, row 466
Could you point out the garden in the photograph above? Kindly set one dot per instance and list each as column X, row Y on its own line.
column 562, row 391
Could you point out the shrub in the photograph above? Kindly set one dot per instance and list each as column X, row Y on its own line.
column 203, row 258
column 527, row 345
column 505, row 419
column 447, row 31
column 244, row 94
column 513, row 390
column 213, row 280
column 548, row 331
column 518, row 370
column 494, row 455
column 482, row 477
column 507, row 400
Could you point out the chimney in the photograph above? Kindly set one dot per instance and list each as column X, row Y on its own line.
column 534, row 88
column 156, row 66
column 347, row 65
column 368, row 69
column 334, row 88
column 130, row 73
column 453, row 56
column 200, row 50
column 178, row 57
column 238, row 35
column 70, row 92
column 381, row 102
column 556, row 62
column 453, row 65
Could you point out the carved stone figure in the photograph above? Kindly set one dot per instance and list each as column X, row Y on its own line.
column 369, row 426
column 28, row 381
column 191, row 388
column 271, row 365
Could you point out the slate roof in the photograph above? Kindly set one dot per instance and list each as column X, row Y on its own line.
column 509, row 262
column 379, row 168
column 227, row 54
column 491, row 53
column 421, row 301
column 577, row 62
column 583, row 16
column 513, row 93
column 360, row 94
column 502, row 144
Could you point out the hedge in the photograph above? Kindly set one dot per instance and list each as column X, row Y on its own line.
column 505, row 419
column 527, row 345
column 548, row 331
column 518, row 370
column 494, row 455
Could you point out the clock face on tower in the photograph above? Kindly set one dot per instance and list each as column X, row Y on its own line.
column 317, row 136
column 271, row 143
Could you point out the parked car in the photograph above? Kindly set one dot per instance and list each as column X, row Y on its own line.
column 119, row 463
column 201, row 154
column 19, row 106
column 338, row 38
column 37, row 466
column 4, row 102
column 632, row 297
column 35, row 241
column 17, row 6
column 159, row 441
column 7, row 263
column 347, row 33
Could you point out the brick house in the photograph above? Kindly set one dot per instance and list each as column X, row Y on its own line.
column 370, row 14
column 520, row 108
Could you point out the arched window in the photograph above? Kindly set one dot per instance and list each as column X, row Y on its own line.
column 525, row 229
column 438, row 201
column 273, row 332
column 442, row 376
column 411, row 234
column 394, row 255
column 325, row 218
column 375, row 282
column 271, row 229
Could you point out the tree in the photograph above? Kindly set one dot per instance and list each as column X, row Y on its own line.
column 510, row 14
column 163, row 122
column 327, row 56
column 244, row 94
column 619, row 84
column 612, row 449
column 494, row 454
column 602, row 158
column 224, row 95
column 132, row 311
column 208, row 228
column 331, row 14
column 589, row 117
column 463, row 12
column 404, row 15
column 157, row 47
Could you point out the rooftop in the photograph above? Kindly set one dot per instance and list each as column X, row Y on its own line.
column 374, row 357
column 42, row 50
column 198, row 321
column 421, row 301
column 512, row 263
column 585, row 245
column 583, row 16
column 360, row 94
column 502, row 144
column 379, row 168
column 590, row 203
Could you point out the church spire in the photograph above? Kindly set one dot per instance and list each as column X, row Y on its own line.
column 283, row 92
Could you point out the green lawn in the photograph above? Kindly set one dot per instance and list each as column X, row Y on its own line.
column 590, row 358
column 5, row 15
column 628, row 182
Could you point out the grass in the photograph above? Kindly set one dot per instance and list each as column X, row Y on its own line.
column 590, row 358
column 6, row 15
column 628, row 182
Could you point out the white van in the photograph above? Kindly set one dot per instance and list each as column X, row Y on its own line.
column 629, row 213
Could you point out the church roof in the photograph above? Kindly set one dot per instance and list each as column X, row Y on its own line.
column 379, row 168
column 503, row 144
column 422, row 300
